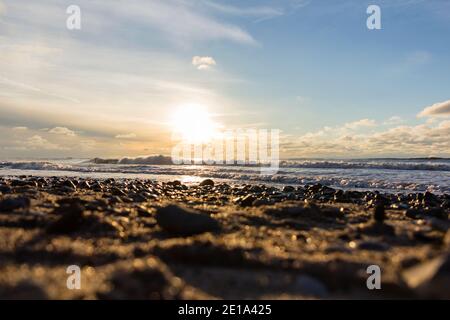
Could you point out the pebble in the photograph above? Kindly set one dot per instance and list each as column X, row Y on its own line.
column 69, row 184
column 247, row 201
column 184, row 221
column 288, row 189
column 70, row 221
column 207, row 182
column 117, row 192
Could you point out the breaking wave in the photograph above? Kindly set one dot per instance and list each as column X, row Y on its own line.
column 392, row 175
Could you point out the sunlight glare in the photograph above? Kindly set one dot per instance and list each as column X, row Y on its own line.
column 194, row 124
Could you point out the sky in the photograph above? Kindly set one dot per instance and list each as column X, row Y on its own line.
column 309, row 68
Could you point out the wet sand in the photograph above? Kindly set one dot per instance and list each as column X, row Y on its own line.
column 139, row 239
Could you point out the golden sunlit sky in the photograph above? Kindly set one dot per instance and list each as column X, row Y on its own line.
column 139, row 70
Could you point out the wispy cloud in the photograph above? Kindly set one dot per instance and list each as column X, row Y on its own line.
column 19, row 128
column 260, row 13
column 181, row 21
column 126, row 136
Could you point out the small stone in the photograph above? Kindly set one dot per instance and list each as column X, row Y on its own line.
column 260, row 202
column 69, row 184
column 23, row 183
column 184, row 221
column 11, row 204
column 207, row 182
column 288, row 189
column 256, row 189
column 118, row 192
column 247, row 201
column 70, row 221
column 84, row 185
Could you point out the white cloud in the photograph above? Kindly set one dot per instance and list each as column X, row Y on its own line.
column 37, row 142
column 63, row 131
column 437, row 109
column 126, row 136
column 203, row 63
column 20, row 128
column 405, row 140
column 394, row 120
column 363, row 123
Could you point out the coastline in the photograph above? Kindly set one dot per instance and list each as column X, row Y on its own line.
column 144, row 239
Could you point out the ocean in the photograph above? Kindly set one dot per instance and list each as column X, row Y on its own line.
column 385, row 175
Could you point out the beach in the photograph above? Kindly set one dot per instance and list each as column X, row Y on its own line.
column 148, row 239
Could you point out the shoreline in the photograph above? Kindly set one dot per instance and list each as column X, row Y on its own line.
column 144, row 239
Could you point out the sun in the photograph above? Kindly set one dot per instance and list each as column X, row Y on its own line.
column 193, row 123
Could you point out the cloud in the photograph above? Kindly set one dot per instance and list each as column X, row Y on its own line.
column 126, row 136
column 182, row 22
column 63, row 131
column 20, row 128
column 404, row 140
column 393, row 121
column 21, row 87
column 363, row 123
column 259, row 12
column 38, row 142
column 436, row 110
column 203, row 63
